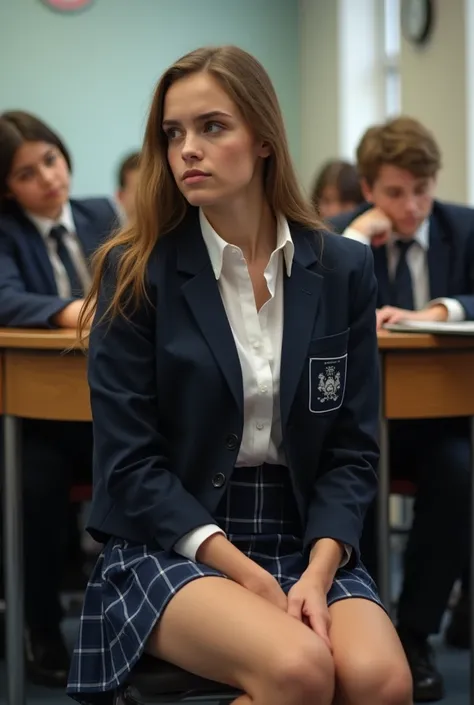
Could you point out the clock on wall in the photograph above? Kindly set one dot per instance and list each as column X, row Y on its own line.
column 417, row 20
column 67, row 5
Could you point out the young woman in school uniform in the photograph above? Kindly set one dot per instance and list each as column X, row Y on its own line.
column 46, row 240
column 233, row 374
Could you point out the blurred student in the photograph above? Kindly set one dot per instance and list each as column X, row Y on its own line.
column 423, row 253
column 127, row 185
column 46, row 239
column 336, row 189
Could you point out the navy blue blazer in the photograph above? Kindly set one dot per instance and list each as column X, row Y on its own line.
column 450, row 254
column 167, row 397
column 28, row 292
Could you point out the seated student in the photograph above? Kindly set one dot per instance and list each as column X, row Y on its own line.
column 336, row 189
column 424, row 262
column 46, row 240
column 127, row 185
column 215, row 456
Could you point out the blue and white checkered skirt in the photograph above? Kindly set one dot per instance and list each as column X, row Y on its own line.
column 131, row 585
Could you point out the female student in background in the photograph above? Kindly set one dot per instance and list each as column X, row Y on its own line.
column 46, row 240
column 336, row 189
column 233, row 375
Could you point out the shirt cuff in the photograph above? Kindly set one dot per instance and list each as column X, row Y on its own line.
column 456, row 312
column 354, row 234
column 188, row 545
column 347, row 555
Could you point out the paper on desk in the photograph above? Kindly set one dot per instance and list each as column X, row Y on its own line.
column 461, row 328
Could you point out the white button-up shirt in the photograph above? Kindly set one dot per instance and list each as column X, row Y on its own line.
column 258, row 338
column 417, row 260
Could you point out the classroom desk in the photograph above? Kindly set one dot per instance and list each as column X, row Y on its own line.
column 39, row 380
column 422, row 376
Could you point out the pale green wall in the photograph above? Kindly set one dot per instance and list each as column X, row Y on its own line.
column 91, row 74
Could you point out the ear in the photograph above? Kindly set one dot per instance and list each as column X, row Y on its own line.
column 119, row 195
column 264, row 150
column 366, row 190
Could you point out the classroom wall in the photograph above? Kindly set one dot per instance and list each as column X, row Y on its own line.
column 435, row 87
column 342, row 88
column 91, row 74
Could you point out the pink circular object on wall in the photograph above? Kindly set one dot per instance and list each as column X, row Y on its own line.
column 67, row 5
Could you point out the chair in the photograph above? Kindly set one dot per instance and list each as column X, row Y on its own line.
column 153, row 682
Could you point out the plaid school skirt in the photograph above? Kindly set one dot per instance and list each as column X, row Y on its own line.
column 131, row 585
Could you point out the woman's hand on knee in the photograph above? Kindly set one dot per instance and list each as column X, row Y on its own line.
column 264, row 584
column 307, row 602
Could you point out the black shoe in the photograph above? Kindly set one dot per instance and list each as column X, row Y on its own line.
column 428, row 685
column 47, row 659
column 458, row 630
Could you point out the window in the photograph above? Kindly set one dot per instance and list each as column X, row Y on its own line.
column 392, row 57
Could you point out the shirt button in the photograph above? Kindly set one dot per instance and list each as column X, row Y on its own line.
column 218, row 480
column 235, row 252
column 257, row 345
column 263, row 389
column 260, row 426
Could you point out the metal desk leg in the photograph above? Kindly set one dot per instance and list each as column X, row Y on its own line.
column 383, row 521
column 471, row 596
column 13, row 561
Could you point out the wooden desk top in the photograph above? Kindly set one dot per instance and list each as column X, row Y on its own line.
column 38, row 339
column 65, row 339
column 420, row 341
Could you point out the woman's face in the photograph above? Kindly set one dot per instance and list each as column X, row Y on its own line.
column 213, row 155
column 39, row 179
column 330, row 203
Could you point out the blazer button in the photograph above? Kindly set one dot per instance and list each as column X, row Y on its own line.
column 232, row 441
column 218, row 480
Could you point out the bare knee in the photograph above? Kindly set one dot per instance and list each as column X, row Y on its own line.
column 302, row 672
column 386, row 683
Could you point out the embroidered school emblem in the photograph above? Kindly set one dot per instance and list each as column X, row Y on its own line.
column 329, row 384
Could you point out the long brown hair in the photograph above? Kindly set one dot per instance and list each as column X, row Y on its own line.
column 160, row 206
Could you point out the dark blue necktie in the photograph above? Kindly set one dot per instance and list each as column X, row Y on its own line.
column 57, row 234
column 402, row 285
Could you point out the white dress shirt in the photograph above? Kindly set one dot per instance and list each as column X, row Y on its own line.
column 73, row 245
column 258, row 339
column 417, row 260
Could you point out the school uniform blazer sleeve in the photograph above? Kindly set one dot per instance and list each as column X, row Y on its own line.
column 19, row 307
column 130, row 448
column 347, row 482
column 467, row 300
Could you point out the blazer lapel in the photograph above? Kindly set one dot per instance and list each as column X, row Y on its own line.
column 382, row 276
column 439, row 260
column 85, row 231
column 202, row 294
column 301, row 301
column 37, row 252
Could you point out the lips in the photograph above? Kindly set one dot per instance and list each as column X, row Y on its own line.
column 194, row 174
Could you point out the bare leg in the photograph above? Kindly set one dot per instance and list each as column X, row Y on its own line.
column 217, row 629
column 370, row 662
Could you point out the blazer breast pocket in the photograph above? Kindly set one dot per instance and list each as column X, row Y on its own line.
column 327, row 373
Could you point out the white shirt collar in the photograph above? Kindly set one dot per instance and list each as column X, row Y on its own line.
column 44, row 225
column 216, row 245
column 422, row 235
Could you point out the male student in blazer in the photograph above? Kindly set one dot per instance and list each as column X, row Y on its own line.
column 46, row 241
column 424, row 263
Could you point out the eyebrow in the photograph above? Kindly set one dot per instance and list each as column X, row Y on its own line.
column 200, row 118
column 26, row 167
